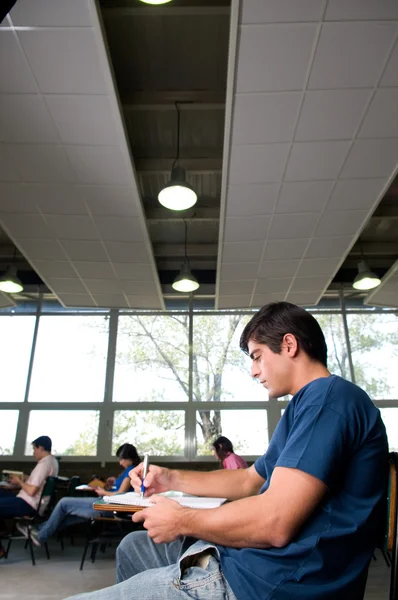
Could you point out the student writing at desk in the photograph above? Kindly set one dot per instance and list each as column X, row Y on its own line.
column 304, row 519
column 71, row 510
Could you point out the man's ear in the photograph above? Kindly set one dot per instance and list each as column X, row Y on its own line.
column 291, row 344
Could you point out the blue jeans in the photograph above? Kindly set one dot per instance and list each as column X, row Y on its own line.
column 68, row 511
column 11, row 506
column 183, row 569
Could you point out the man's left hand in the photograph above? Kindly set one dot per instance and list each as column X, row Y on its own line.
column 14, row 480
column 162, row 520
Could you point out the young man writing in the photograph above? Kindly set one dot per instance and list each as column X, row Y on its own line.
column 304, row 519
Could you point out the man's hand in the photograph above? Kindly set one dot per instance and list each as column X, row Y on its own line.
column 157, row 480
column 15, row 480
column 162, row 520
column 100, row 491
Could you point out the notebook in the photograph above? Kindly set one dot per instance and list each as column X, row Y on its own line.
column 133, row 499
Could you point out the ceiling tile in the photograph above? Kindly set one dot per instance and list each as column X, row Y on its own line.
column 304, row 298
column 81, row 70
column 278, row 268
column 252, row 199
column 284, row 249
column 293, row 226
column 310, row 284
column 25, row 118
column 260, row 300
column 331, row 114
column 26, row 226
column 242, row 251
column 146, row 302
column 76, row 300
column 134, row 271
column 51, row 13
column 53, row 199
column 120, row 229
column 83, row 119
column 382, row 117
column 241, row 286
column 341, row 222
column 331, row 247
column 351, row 54
column 264, row 118
column 41, row 249
column 15, row 74
column 103, row 286
column 246, row 229
column 276, row 11
column 99, row 164
column 273, row 57
column 111, row 300
column 54, row 269
column 139, row 288
column 114, row 200
column 341, row 10
column 273, row 285
column 72, row 227
column 235, row 301
column 84, row 250
column 41, row 163
column 304, row 196
column 127, row 252
column 8, row 171
column 316, row 160
column 234, row 271
column 258, row 163
column 390, row 77
column 371, row 158
column 95, row 270
column 356, row 194
column 316, row 267
column 66, row 286
column 15, row 199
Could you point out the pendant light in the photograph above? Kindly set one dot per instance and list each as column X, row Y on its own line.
column 366, row 279
column 185, row 281
column 9, row 282
column 155, row 1
column 177, row 194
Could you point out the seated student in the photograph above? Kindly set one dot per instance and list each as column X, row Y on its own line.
column 224, row 450
column 27, row 501
column 303, row 521
column 71, row 510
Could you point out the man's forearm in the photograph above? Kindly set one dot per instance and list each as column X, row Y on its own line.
column 28, row 488
column 231, row 484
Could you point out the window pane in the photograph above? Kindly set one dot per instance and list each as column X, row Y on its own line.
column 221, row 371
column 73, row 432
column 15, row 355
column 70, row 359
column 8, row 430
column 156, row 432
column 247, row 430
column 333, row 329
column 390, row 418
column 374, row 346
column 151, row 359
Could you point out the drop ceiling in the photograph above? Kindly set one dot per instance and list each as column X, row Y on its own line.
column 288, row 134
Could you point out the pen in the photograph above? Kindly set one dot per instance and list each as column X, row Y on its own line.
column 144, row 475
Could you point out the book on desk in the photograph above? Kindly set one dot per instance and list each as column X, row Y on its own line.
column 132, row 502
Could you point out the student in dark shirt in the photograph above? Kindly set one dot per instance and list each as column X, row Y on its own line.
column 303, row 521
column 71, row 510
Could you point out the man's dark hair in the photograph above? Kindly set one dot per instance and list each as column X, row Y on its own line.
column 273, row 321
column 130, row 452
column 44, row 441
column 223, row 446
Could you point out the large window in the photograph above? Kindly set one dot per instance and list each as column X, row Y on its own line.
column 8, row 429
column 70, row 358
column 16, row 334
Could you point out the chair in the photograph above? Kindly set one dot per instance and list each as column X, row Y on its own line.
column 101, row 531
column 388, row 543
column 42, row 512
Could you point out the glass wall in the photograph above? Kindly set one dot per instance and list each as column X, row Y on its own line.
column 168, row 383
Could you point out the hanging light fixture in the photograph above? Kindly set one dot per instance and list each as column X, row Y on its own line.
column 155, row 1
column 177, row 194
column 185, row 280
column 366, row 279
column 9, row 282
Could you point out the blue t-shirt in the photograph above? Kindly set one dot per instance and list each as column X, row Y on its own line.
column 331, row 430
column 119, row 480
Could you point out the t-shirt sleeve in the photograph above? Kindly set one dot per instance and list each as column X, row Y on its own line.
column 317, row 443
column 232, row 462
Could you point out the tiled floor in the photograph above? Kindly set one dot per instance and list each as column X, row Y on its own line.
column 59, row 577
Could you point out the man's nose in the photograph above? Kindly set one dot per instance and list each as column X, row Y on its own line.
column 255, row 371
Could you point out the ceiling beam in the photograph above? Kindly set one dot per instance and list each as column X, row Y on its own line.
column 165, row 100
column 177, row 250
column 192, row 165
